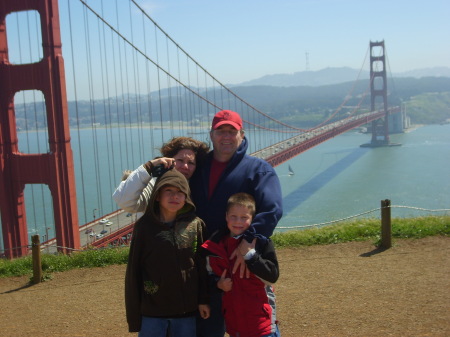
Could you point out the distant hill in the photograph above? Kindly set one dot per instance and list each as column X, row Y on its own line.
column 427, row 72
column 330, row 76
column 427, row 100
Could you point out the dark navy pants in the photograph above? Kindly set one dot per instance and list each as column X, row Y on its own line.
column 214, row 326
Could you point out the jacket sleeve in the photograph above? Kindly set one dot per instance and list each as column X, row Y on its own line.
column 264, row 263
column 133, row 283
column 132, row 195
column 269, row 201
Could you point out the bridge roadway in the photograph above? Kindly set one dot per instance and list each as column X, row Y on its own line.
column 120, row 221
column 119, row 226
column 283, row 151
column 119, row 232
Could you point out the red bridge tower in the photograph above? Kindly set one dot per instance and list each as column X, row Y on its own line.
column 378, row 88
column 55, row 168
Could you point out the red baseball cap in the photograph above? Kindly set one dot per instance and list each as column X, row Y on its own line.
column 227, row 117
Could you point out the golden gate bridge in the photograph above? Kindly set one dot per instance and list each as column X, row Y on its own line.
column 73, row 75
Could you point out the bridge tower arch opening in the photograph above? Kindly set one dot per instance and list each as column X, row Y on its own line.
column 54, row 168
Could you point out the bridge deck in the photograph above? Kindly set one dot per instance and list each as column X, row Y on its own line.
column 283, row 151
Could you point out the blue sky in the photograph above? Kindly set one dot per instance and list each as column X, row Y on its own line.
column 240, row 40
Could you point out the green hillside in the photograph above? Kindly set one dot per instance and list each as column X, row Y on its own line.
column 427, row 101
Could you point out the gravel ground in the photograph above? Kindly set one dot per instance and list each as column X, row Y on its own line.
column 349, row 289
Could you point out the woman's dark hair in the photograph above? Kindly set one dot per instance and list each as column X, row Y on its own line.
column 172, row 147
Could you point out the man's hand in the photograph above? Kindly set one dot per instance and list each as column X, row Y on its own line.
column 224, row 283
column 239, row 253
column 204, row 310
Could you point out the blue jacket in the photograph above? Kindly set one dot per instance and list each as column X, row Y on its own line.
column 243, row 173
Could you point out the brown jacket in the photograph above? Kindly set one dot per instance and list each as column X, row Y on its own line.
column 166, row 276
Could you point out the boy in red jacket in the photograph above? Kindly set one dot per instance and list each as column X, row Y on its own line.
column 248, row 304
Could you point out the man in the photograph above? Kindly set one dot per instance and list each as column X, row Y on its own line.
column 228, row 170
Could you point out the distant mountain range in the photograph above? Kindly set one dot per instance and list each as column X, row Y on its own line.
column 329, row 76
column 427, row 93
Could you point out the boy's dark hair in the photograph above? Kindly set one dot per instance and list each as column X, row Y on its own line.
column 242, row 199
column 172, row 147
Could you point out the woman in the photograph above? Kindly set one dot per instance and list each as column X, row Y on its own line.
column 184, row 153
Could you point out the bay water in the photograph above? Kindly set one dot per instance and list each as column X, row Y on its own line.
column 338, row 179
column 335, row 180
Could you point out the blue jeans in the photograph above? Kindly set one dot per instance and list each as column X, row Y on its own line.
column 274, row 334
column 171, row 327
column 214, row 326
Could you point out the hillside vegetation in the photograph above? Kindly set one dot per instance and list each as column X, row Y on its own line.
column 358, row 230
column 429, row 108
column 426, row 100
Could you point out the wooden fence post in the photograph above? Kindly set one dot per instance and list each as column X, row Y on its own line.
column 36, row 256
column 386, row 227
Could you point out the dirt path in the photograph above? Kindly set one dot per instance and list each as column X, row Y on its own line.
column 336, row 290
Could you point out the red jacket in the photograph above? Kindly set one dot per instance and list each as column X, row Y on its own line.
column 247, row 306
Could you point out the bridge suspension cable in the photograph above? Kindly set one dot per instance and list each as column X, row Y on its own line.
column 130, row 88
